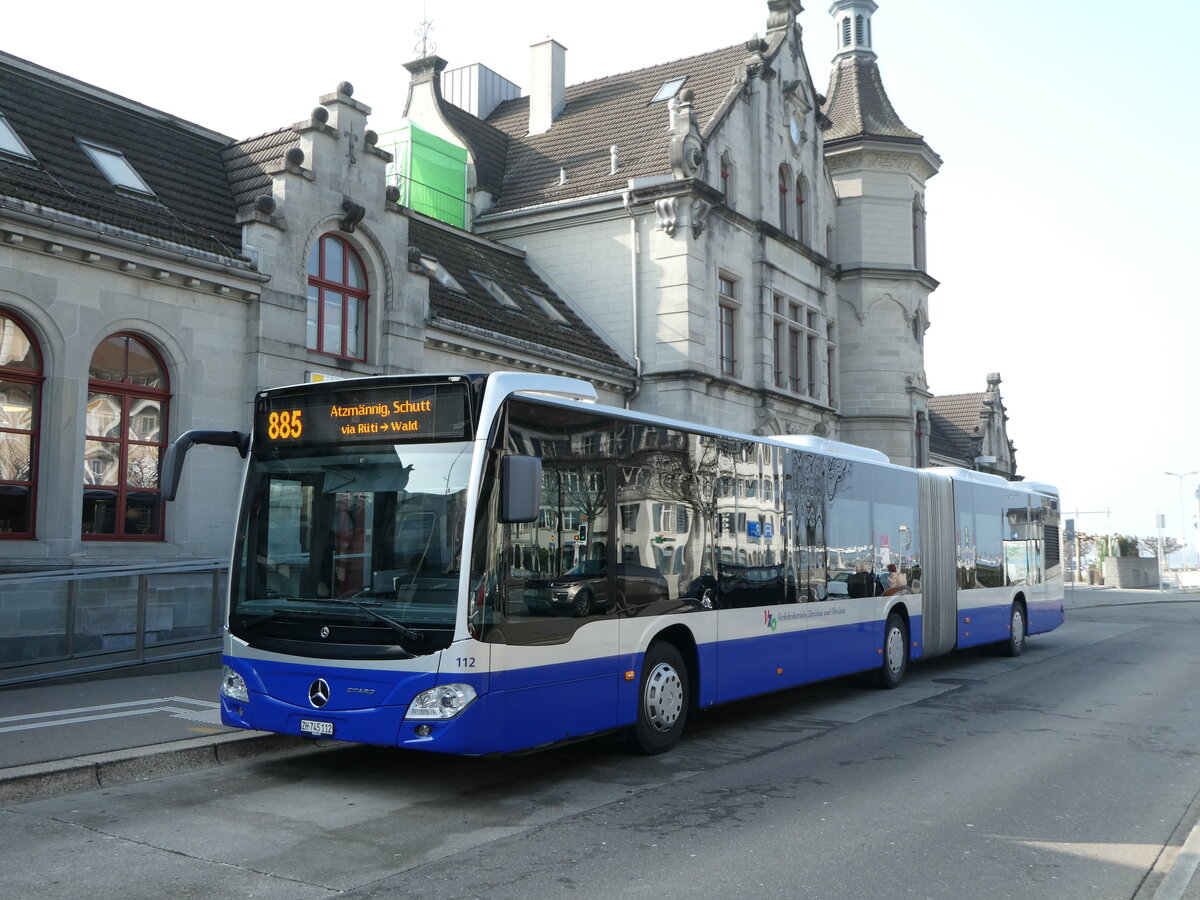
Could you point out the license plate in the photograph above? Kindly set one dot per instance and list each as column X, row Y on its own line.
column 315, row 728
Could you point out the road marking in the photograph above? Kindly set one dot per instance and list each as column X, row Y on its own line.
column 208, row 713
column 1182, row 870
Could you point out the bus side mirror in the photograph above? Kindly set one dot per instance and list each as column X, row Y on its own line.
column 520, row 488
column 172, row 464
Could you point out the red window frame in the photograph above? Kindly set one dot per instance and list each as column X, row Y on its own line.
column 138, row 508
column 30, row 376
column 323, row 284
column 800, row 199
column 784, row 177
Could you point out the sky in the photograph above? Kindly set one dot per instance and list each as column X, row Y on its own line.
column 1059, row 228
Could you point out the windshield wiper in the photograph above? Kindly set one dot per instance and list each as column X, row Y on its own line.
column 407, row 633
column 265, row 617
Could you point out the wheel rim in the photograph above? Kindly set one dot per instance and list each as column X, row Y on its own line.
column 1018, row 627
column 664, row 697
column 895, row 650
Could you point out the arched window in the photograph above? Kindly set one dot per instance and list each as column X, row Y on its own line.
column 727, row 176
column 801, row 199
column 126, row 427
column 337, row 299
column 918, row 229
column 20, row 387
column 785, row 181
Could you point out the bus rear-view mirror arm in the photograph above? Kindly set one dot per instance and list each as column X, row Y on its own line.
column 520, row 488
column 172, row 467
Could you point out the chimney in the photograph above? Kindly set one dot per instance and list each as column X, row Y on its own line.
column 547, row 84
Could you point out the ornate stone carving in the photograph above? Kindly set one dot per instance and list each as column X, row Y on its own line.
column 668, row 214
column 682, row 212
column 354, row 214
column 686, row 147
column 876, row 160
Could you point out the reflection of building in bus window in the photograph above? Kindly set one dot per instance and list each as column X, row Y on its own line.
column 347, row 547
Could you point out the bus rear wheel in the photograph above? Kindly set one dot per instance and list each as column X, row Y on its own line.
column 895, row 652
column 662, row 700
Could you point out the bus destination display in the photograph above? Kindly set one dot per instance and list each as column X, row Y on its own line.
column 394, row 413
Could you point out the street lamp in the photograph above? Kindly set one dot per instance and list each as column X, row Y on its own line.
column 1182, row 520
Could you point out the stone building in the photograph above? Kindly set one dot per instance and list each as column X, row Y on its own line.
column 711, row 239
column 154, row 275
column 754, row 248
column 970, row 431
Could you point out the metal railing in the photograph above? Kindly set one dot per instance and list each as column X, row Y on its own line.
column 55, row 623
column 429, row 200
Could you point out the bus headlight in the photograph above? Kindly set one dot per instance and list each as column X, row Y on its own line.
column 443, row 702
column 233, row 686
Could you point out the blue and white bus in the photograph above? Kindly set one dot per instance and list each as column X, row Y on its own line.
column 483, row 564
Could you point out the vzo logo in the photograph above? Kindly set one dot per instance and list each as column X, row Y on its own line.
column 769, row 620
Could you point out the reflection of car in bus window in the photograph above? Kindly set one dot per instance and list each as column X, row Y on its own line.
column 857, row 584
column 584, row 588
column 738, row 586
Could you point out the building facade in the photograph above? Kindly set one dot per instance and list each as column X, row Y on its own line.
column 154, row 275
column 754, row 248
column 711, row 239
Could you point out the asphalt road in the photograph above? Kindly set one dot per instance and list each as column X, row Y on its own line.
column 1069, row 772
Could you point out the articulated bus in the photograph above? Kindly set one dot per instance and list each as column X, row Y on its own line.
column 482, row 564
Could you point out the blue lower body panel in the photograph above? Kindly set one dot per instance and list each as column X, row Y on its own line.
column 541, row 705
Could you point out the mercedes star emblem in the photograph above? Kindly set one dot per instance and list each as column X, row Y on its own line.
column 318, row 693
column 324, row 631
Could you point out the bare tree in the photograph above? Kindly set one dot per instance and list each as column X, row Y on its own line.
column 1150, row 545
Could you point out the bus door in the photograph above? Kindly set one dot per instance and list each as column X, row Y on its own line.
column 554, row 652
column 844, row 627
column 761, row 621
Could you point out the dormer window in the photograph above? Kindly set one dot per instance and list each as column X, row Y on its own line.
column 437, row 271
column 669, row 89
column 10, row 141
column 116, row 168
column 496, row 292
column 547, row 307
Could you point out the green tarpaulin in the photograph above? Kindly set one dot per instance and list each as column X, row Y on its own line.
column 431, row 173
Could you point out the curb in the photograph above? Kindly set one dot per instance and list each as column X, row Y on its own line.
column 39, row 781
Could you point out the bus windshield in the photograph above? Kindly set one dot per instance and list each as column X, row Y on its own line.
column 363, row 541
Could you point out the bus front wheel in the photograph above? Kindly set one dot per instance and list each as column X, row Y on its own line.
column 1015, row 644
column 662, row 700
column 895, row 652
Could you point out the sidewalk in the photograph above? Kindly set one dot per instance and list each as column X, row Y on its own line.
column 1084, row 596
column 79, row 734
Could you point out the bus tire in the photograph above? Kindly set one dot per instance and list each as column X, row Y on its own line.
column 662, row 705
column 895, row 652
column 1015, row 645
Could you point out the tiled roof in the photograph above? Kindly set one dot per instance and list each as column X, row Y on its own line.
column 600, row 114
column 954, row 420
column 488, row 144
column 460, row 254
column 858, row 106
column 192, row 204
column 248, row 161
